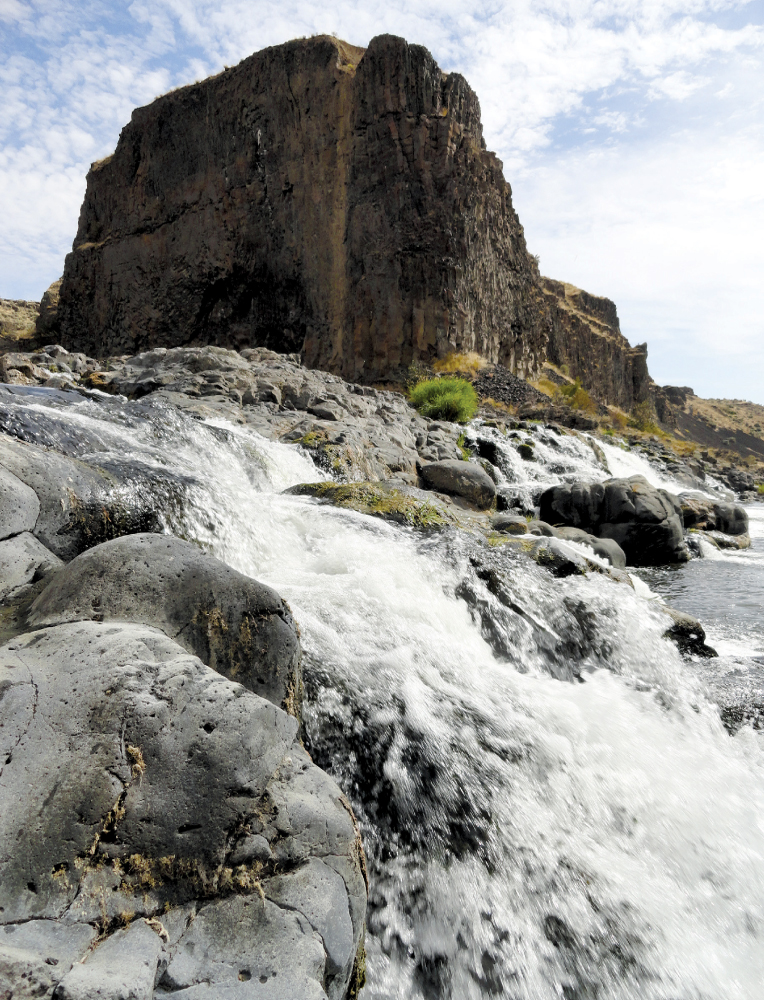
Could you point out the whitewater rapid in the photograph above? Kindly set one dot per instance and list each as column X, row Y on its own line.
column 528, row 837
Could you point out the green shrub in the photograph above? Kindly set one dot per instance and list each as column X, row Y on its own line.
column 576, row 396
column 643, row 418
column 445, row 399
column 760, row 487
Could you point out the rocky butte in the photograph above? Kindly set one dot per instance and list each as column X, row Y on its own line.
column 325, row 199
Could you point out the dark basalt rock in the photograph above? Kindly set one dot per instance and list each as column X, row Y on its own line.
column 705, row 514
column 218, row 195
column 79, row 505
column 688, row 635
column 644, row 521
column 463, row 479
column 585, row 336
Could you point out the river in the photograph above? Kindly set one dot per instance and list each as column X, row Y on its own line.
column 528, row 837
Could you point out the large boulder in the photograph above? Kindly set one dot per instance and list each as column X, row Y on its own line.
column 168, row 820
column 706, row 514
column 644, row 521
column 78, row 506
column 462, row 479
column 237, row 626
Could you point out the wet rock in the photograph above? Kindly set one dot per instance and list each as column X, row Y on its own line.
column 688, row 634
column 464, row 479
column 644, row 521
column 706, row 514
column 721, row 541
column 132, row 776
column 605, row 548
column 738, row 479
column 24, row 560
column 560, row 560
column 79, row 506
column 509, row 524
column 234, row 624
column 19, row 506
column 608, row 548
column 398, row 503
column 541, row 528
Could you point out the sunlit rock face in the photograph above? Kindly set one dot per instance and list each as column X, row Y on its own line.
column 319, row 198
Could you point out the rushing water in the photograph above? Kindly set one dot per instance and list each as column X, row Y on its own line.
column 528, row 837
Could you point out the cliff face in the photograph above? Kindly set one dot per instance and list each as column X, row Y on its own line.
column 317, row 198
column 585, row 335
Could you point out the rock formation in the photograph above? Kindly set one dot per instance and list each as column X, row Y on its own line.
column 585, row 336
column 318, row 198
column 645, row 522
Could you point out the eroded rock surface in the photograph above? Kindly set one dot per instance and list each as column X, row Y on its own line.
column 374, row 155
column 463, row 479
column 644, row 521
column 142, row 790
column 237, row 626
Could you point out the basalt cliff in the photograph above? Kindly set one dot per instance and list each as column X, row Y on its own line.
column 319, row 198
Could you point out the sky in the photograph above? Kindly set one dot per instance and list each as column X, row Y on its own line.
column 631, row 131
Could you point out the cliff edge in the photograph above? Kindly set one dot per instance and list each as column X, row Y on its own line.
column 319, row 198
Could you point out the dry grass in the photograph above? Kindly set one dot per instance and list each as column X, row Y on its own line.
column 462, row 364
column 509, row 409
column 545, row 385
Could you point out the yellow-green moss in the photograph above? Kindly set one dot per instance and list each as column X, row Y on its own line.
column 389, row 504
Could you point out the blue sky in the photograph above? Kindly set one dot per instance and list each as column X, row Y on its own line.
column 632, row 132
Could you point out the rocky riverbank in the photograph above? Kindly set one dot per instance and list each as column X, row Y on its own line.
column 177, row 832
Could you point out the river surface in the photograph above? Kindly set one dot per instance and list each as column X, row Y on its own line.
column 528, row 836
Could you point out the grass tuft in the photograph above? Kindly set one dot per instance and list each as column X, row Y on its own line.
column 445, row 399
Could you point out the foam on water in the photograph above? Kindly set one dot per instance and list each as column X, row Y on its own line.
column 528, row 838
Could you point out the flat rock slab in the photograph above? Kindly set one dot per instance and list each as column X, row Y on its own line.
column 463, row 479
column 19, row 506
column 131, row 776
column 237, row 626
column 123, row 967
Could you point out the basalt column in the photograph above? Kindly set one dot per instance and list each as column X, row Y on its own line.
column 318, row 198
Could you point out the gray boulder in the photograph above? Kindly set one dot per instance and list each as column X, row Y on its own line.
column 644, row 521
column 234, row 624
column 608, row 548
column 19, row 506
column 23, row 560
column 133, row 778
column 706, row 514
column 79, row 506
column 463, row 479
column 605, row 548
column 542, row 529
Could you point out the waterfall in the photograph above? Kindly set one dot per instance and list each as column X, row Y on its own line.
column 550, row 806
